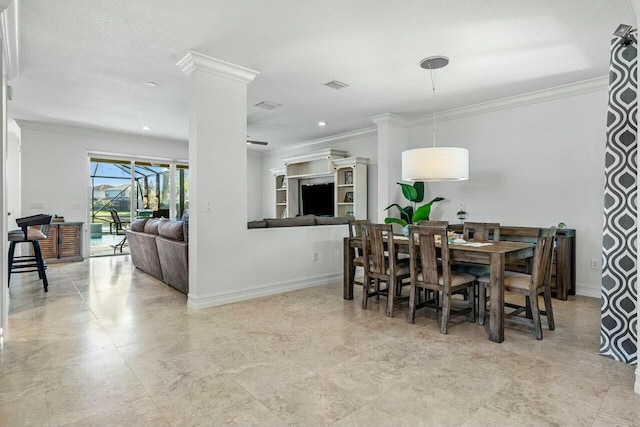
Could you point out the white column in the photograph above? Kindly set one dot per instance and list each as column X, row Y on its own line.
column 393, row 139
column 218, row 167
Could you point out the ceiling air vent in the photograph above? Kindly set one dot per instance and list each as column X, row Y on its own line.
column 335, row 84
column 268, row 105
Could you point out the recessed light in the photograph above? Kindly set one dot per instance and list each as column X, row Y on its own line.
column 151, row 84
column 336, row 84
column 146, row 128
column 322, row 123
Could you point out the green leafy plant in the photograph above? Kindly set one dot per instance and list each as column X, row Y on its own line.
column 412, row 214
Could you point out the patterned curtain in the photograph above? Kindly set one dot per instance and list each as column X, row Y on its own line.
column 619, row 320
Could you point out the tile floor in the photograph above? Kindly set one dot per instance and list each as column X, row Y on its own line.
column 109, row 345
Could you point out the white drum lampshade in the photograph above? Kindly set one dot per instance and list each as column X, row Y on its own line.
column 435, row 164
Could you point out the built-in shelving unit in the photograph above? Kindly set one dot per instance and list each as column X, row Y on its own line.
column 349, row 175
column 281, row 192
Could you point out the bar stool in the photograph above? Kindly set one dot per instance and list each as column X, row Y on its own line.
column 29, row 263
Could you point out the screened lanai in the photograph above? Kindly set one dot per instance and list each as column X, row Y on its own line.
column 122, row 190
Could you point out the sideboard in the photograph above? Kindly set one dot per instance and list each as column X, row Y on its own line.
column 63, row 242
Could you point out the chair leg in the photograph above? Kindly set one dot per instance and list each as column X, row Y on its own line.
column 391, row 286
column 472, row 302
column 41, row 270
column 12, row 251
column 412, row 304
column 365, row 290
column 535, row 313
column 548, row 309
column 482, row 303
column 377, row 288
column 446, row 311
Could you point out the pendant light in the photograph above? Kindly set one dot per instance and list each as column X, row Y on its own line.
column 435, row 163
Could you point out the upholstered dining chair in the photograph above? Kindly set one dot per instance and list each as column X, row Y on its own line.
column 355, row 230
column 478, row 232
column 427, row 272
column 531, row 285
column 383, row 265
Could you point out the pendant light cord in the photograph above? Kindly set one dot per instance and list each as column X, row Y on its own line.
column 432, row 72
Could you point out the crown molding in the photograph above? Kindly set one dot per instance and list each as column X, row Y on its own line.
column 10, row 39
column 341, row 137
column 83, row 131
column 195, row 61
column 529, row 98
column 391, row 119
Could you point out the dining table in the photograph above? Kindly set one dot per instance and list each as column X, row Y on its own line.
column 494, row 254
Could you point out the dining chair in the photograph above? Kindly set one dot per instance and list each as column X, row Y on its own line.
column 531, row 285
column 355, row 230
column 478, row 232
column 433, row 274
column 383, row 265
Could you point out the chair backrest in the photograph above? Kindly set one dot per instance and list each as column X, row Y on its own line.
column 423, row 252
column 376, row 238
column 542, row 257
column 114, row 216
column 355, row 229
column 481, row 231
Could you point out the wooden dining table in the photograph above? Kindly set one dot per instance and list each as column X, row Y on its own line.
column 495, row 255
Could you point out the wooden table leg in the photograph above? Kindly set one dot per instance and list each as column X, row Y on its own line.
column 496, row 315
column 348, row 269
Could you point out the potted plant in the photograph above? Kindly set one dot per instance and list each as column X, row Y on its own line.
column 412, row 214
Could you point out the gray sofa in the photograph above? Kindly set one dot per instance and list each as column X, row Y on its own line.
column 298, row 221
column 160, row 247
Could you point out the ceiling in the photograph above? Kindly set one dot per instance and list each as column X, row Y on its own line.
column 85, row 62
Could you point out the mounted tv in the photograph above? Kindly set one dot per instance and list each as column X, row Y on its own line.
column 317, row 199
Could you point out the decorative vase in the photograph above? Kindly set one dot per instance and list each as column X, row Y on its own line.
column 405, row 231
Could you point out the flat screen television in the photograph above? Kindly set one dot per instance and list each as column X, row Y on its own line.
column 317, row 199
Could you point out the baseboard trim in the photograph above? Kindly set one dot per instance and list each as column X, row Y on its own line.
column 588, row 292
column 197, row 302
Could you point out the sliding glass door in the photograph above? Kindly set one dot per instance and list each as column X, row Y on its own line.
column 124, row 190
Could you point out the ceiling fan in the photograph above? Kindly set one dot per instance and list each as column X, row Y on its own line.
column 253, row 142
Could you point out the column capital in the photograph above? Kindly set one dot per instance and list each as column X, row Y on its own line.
column 195, row 61
column 391, row 119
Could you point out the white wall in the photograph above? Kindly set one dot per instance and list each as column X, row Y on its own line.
column 55, row 165
column 255, row 181
column 532, row 165
column 13, row 178
column 358, row 146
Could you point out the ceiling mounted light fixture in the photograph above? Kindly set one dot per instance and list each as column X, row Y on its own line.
column 435, row 163
column 322, row 124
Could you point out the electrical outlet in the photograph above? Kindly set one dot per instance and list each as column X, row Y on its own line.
column 596, row 264
column 208, row 206
column 314, row 256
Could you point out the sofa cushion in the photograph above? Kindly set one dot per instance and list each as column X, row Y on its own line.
column 138, row 224
column 151, row 226
column 331, row 220
column 291, row 222
column 171, row 230
column 257, row 224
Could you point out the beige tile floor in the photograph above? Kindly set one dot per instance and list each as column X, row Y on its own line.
column 109, row 345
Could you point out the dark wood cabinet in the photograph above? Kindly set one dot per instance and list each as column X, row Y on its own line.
column 563, row 270
column 63, row 242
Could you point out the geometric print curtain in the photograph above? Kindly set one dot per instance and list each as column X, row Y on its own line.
column 619, row 319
